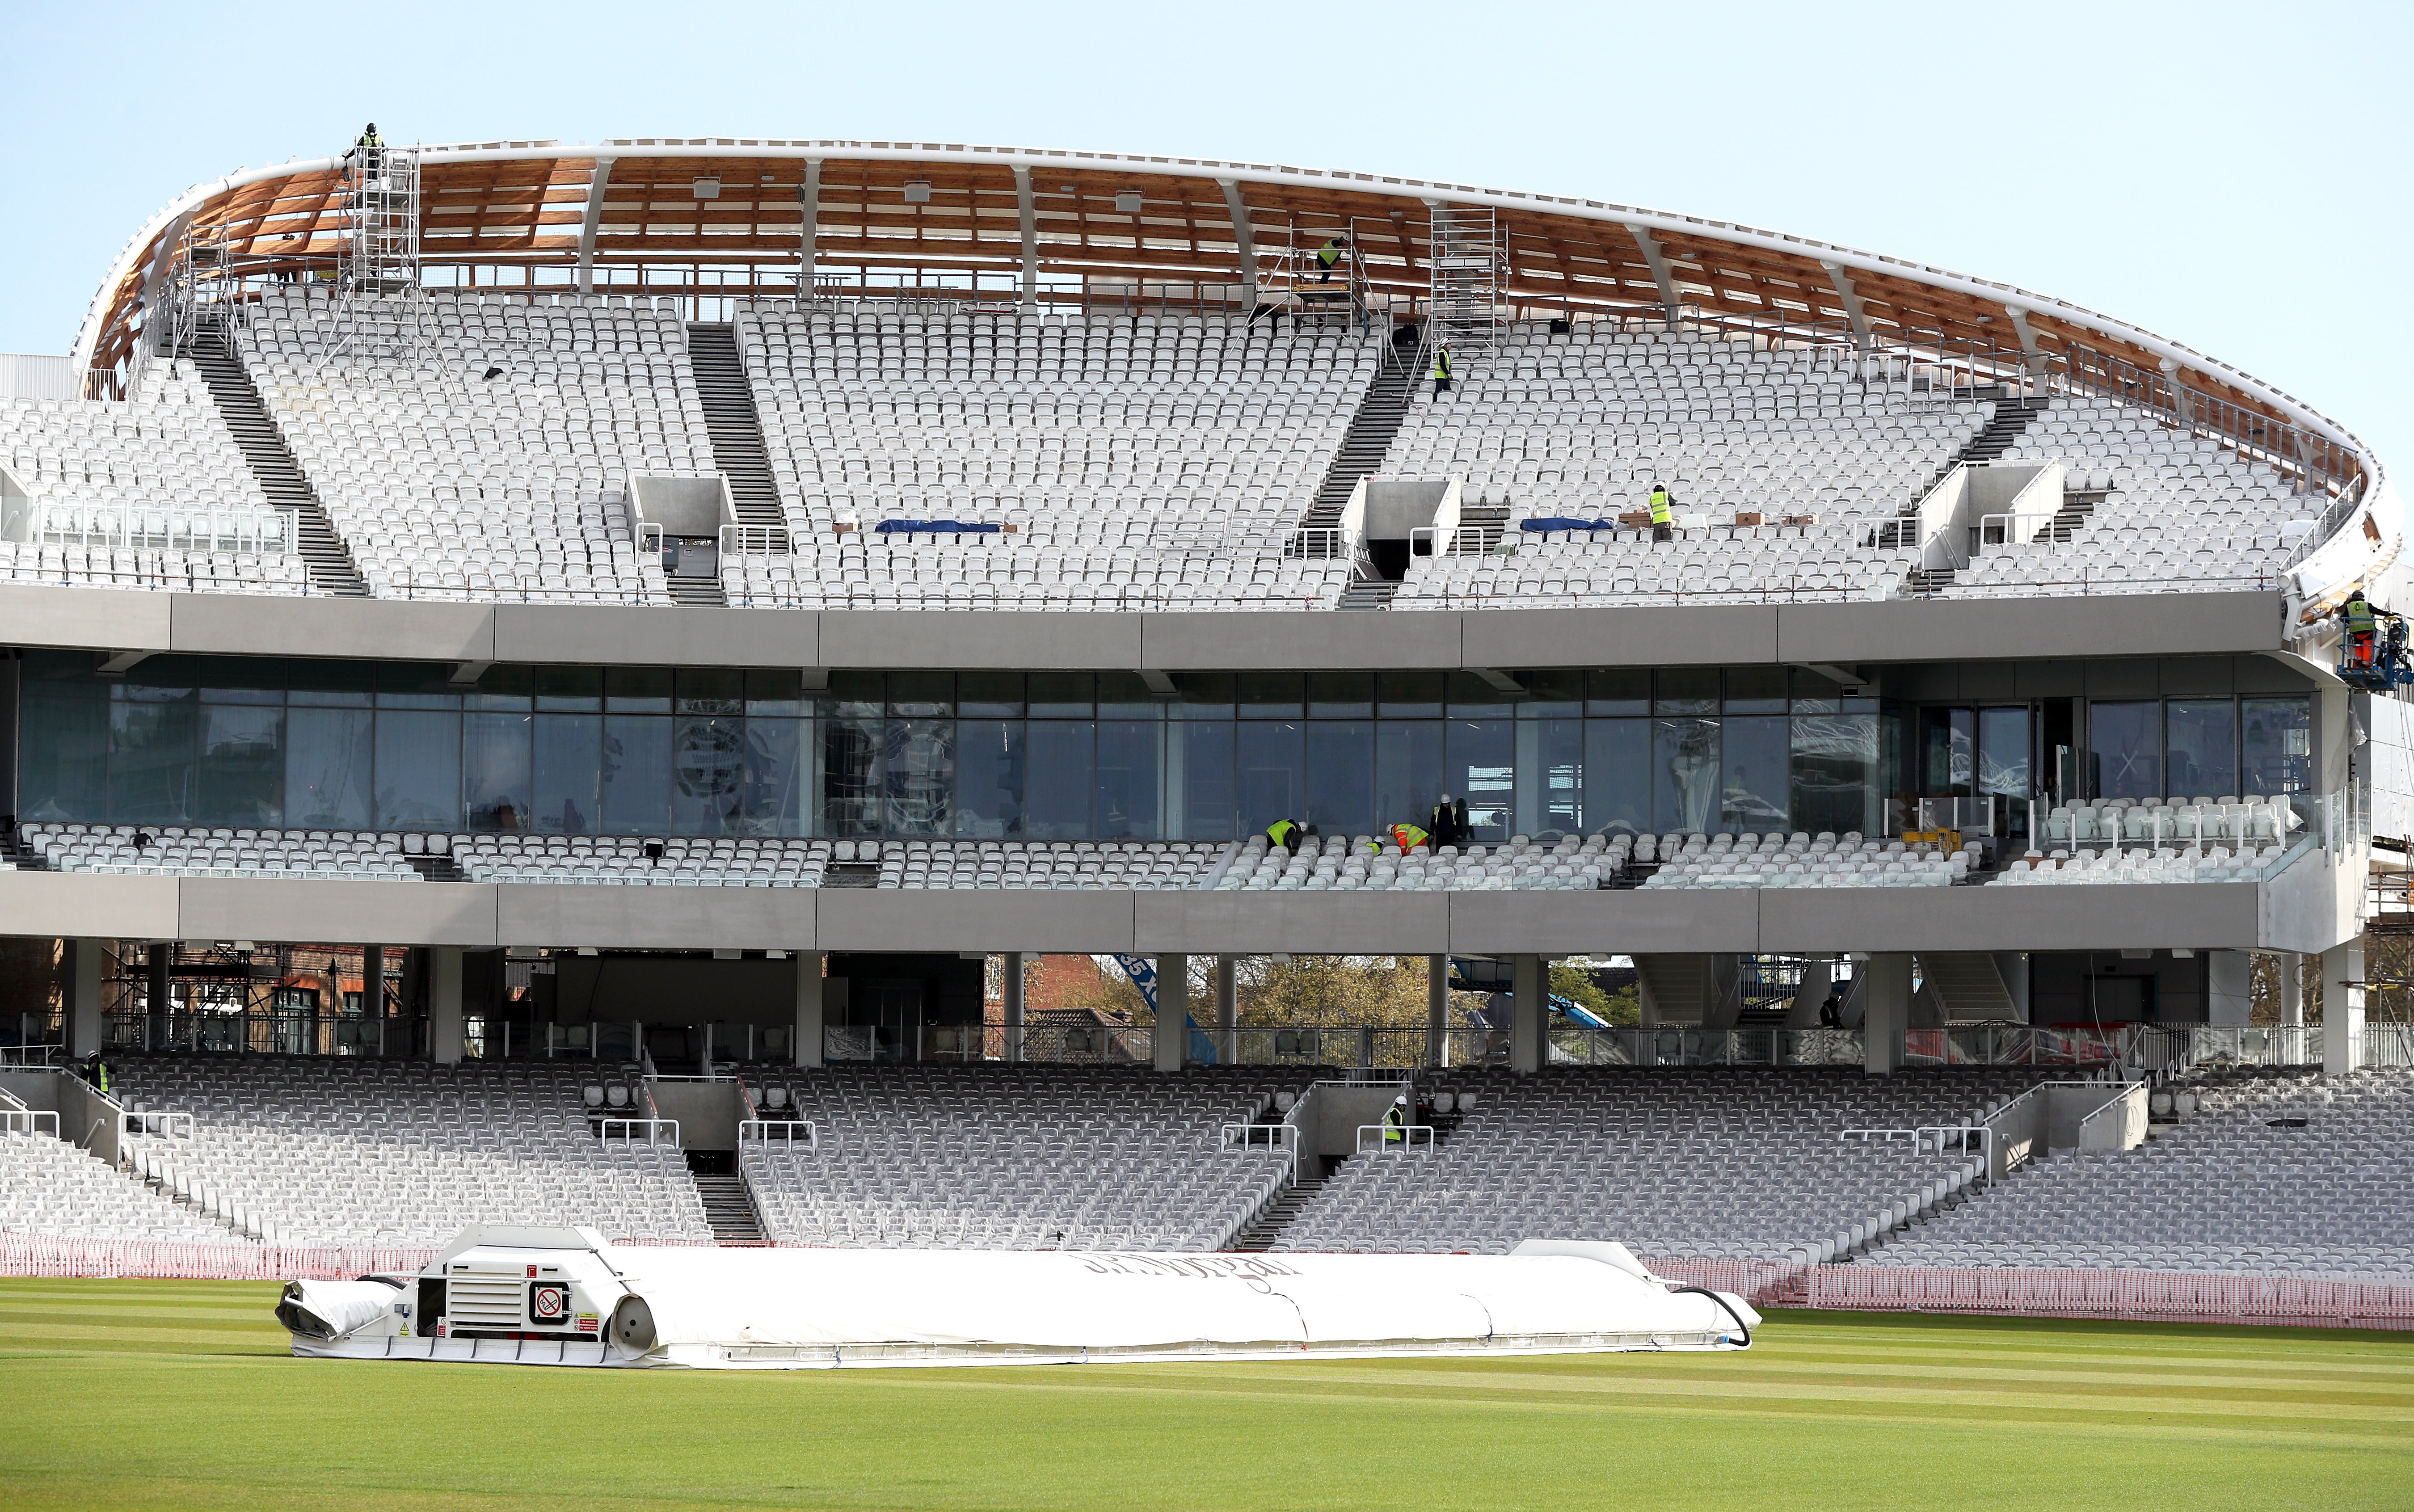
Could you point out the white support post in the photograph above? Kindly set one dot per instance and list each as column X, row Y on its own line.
column 2028, row 345
column 1852, row 298
column 2343, row 1007
column 1029, row 211
column 1886, row 1012
column 83, row 997
column 444, row 1028
column 809, row 201
column 1658, row 262
column 1010, row 998
column 1227, row 1004
column 1528, row 1013
column 1438, row 1010
column 593, row 221
column 1245, row 242
column 805, row 1035
column 1170, row 1038
column 2291, row 968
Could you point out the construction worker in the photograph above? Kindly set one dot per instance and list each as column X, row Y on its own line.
column 371, row 150
column 1395, row 1122
column 1329, row 254
column 1408, row 837
column 1448, row 824
column 1441, row 371
column 1284, row 834
column 1662, row 518
column 96, row 1072
column 2355, row 614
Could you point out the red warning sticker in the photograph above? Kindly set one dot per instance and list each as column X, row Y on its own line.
column 549, row 1301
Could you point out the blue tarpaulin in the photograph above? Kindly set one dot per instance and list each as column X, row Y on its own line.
column 932, row 528
column 1561, row 522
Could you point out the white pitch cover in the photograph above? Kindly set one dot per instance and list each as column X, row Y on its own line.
column 820, row 1309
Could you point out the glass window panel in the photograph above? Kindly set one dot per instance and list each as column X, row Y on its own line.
column 921, row 695
column 1480, row 765
column 1409, row 696
column 851, row 785
column 1273, row 695
column 1618, row 776
column 1755, row 689
column 989, row 695
column 62, row 675
column 567, row 786
column 637, row 690
column 1685, row 690
column 1684, row 776
column 1341, row 695
column 504, row 690
column 1341, row 775
column 62, row 760
column 1948, row 752
column 157, row 680
column 242, row 680
column 1756, row 796
column 637, row 772
column 1551, row 695
column 2004, row 750
column 1408, row 767
column 1619, row 691
column 570, row 690
column 1204, row 695
column 710, row 690
column 1129, row 758
column 2125, row 749
column 772, row 787
column 775, row 691
column 1470, row 697
column 1815, row 693
column 151, row 761
column 1558, row 777
column 2277, row 744
column 1836, row 786
column 1123, row 696
column 1272, row 776
column 417, row 768
column 989, row 778
column 918, row 775
column 242, row 767
column 856, row 695
column 416, row 685
column 707, row 757
column 2201, row 747
column 1209, row 800
column 495, row 775
column 1063, row 695
column 1056, row 788
column 327, row 765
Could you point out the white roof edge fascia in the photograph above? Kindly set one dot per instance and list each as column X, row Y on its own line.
column 1171, row 165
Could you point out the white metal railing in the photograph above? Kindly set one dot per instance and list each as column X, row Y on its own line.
column 2019, row 529
column 1931, row 1138
column 1449, row 540
column 27, row 1120
column 760, row 539
column 1706, row 1047
column 487, row 585
column 30, row 1055
column 629, row 1127
column 1281, row 1136
column 159, row 1124
column 264, row 532
column 779, row 1131
column 1395, row 1138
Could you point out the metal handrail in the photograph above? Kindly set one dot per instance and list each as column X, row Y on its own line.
column 28, row 1121
column 1282, row 1136
column 1386, row 1144
column 653, row 1128
column 159, row 1123
column 762, row 1128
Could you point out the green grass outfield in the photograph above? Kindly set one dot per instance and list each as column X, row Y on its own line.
column 124, row 1395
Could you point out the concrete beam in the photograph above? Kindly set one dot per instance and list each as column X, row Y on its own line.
column 1885, row 1011
column 1852, row 298
column 1169, row 1043
column 1030, row 214
column 2343, row 1007
column 809, row 201
column 805, row 1037
column 1245, row 242
column 1660, row 275
column 2028, row 345
column 590, row 223
column 1530, row 1013
column 445, row 1037
column 83, row 992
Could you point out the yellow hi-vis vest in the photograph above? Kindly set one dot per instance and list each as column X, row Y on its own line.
column 1328, row 254
column 1441, row 362
column 1408, row 836
column 1281, row 830
column 1660, row 514
column 2359, row 616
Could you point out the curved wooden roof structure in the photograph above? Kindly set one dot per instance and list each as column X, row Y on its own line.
column 606, row 205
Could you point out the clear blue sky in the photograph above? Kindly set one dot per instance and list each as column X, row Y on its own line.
column 2232, row 176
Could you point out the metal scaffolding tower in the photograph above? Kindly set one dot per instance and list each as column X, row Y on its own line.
column 1469, row 257
column 377, row 253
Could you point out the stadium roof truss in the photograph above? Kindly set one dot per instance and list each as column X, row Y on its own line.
column 895, row 210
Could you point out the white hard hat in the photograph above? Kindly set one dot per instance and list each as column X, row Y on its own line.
column 1400, row 1101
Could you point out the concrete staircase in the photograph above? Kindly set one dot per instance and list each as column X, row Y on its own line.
column 734, row 424
column 1968, row 985
column 729, row 1208
column 328, row 561
column 1380, row 411
column 1690, row 989
column 1260, row 1235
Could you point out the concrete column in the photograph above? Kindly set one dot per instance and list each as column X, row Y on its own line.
column 2228, row 978
column 809, row 201
column 2343, row 1006
column 83, row 997
column 444, row 1030
column 1009, row 993
column 805, row 1036
column 2292, row 988
column 162, row 993
column 1437, row 1011
column 1245, row 242
column 1527, row 1014
column 1172, row 1038
column 1029, row 212
column 1885, row 1011
column 1818, row 973
column 1228, row 1005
